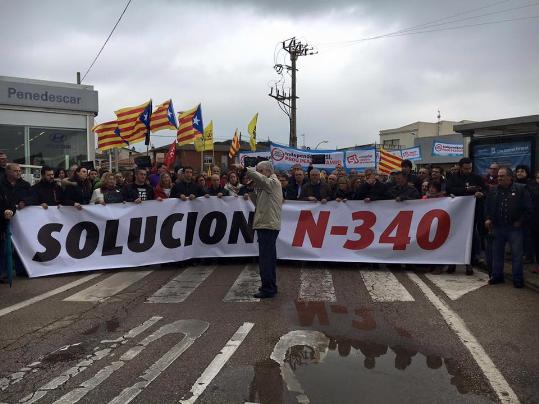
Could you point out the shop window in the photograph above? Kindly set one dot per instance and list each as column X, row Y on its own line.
column 57, row 148
column 12, row 142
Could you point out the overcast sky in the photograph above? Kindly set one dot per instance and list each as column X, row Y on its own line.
column 222, row 53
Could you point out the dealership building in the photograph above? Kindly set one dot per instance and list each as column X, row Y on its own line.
column 47, row 122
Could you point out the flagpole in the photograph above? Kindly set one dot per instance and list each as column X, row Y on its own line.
column 110, row 159
column 201, row 161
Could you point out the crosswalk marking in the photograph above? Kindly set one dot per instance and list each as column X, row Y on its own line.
column 316, row 286
column 383, row 286
column 457, row 285
column 179, row 288
column 192, row 329
column 46, row 295
column 103, row 290
column 217, row 363
column 245, row 286
column 99, row 353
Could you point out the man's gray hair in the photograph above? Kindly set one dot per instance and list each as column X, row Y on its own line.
column 265, row 165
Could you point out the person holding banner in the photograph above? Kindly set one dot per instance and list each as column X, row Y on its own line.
column 268, row 201
column 316, row 190
column 7, row 210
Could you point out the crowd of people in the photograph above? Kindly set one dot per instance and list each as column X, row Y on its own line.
column 507, row 208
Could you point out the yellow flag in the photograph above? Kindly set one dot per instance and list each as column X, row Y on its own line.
column 251, row 128
column 199, row 143
column 208, row 136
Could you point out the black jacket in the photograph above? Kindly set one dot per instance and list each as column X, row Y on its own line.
column 519, row 205
column 213, row 192
column 404, row 193
column 457, row 184
column 186, row 188
column 133, row 191
column 374, row 192
column 293, row 191
column 79, row 193
column 46, row 192
column 533, row 189
column 20, row 192
column 5, row 204
column 309, row 189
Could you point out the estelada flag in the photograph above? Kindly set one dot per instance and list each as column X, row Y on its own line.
column 108, row 136
column 134, row 122
column 190, row 125
column 388, row 162
column 163, row 117
column 170, row 157
column 234, row 146
column 251, row 128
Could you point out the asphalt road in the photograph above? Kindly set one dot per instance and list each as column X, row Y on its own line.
column 335, row 333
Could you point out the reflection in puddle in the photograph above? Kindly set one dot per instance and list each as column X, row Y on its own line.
column 342, row 370
column 351, row 371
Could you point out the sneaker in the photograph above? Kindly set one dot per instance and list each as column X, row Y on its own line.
column 469, row 270
column 493, row 281
column 451, row 269
column 518, row 285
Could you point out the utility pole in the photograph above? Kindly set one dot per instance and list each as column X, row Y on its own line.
column 287, row 100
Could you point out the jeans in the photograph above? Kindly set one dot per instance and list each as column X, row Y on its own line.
column 3, row 257
column 513, row 236
column 267, row 260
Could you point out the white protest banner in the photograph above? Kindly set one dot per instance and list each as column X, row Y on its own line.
column 412, row 153
column 61, row 240
column 360, row 159
column 283, row 158
column 262, row 154
column 448, row 149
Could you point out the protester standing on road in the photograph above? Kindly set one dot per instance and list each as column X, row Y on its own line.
column 464, row 183
column 46, row 192
column 267, row 223
column 187, row 187
column 139, row 191
column 316, row 190
column 533, row 188
column 78, row 190
column 7, row 210
column 107, row 192
column 508, row 206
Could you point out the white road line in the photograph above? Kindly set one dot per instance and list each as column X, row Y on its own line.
column 457, row 285
column 316, row 286
column 497, row 381
column 245, row 286
column 217, row 363
column 179, row 288
column 192, row 329
column 383, row 286
column 99, row 353
column 46, row 295
column 108, row 287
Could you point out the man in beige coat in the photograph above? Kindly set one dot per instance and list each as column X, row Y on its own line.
column 267, row 223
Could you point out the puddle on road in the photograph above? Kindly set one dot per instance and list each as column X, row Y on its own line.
column 353, row 371
column 66, row 354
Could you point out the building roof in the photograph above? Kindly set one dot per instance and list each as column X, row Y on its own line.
column 506, row 126
column 415, row 125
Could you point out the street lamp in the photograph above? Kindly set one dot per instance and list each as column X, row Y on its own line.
column 323, row 141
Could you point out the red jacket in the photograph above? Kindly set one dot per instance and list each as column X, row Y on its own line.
column 159, row 193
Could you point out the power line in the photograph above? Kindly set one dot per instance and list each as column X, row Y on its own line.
column 103, row 47
column 420, row 27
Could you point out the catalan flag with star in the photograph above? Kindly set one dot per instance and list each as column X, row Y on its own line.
column 108, row 136
column 163, row 117
column 190, row 125
column 134, row 122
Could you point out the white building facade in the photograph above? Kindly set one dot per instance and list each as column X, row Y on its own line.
column 47, row 123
